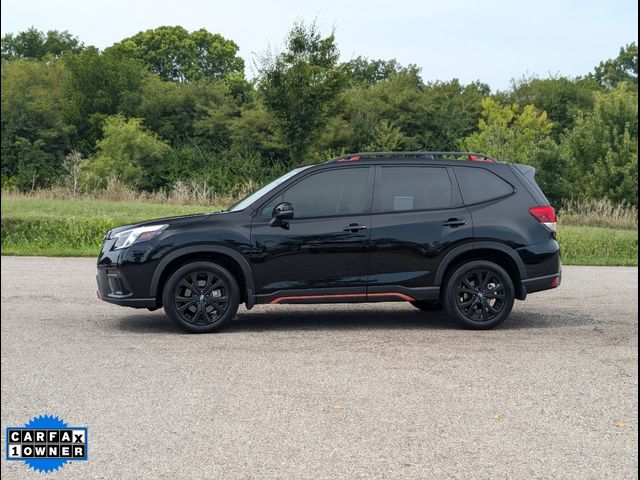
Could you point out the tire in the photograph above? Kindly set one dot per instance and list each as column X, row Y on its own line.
column 426, row 306
column 478, row 295
column 201, row 297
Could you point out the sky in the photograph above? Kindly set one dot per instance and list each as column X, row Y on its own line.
column 489, row 40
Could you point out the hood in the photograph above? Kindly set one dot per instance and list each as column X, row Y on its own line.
column 171, row 221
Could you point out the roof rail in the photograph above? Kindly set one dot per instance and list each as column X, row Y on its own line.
column 480, row 157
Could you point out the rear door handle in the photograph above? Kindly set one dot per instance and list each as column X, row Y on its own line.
column 454, row 222
column 354, row 227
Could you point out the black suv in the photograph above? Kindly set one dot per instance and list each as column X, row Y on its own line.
column 449, row 230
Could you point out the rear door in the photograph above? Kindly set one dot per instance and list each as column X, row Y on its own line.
column 417, row 217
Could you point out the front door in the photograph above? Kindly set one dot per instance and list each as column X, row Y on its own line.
column 322, row 256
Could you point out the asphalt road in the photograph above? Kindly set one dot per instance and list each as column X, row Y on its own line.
column 314, row 392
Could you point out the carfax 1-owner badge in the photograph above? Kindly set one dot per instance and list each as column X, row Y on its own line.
column 46, row 443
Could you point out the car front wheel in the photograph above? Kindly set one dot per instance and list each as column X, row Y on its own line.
column 201, row 297
column 479, row 295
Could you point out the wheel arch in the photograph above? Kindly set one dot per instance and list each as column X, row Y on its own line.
column 490, row 251
column 226, row 257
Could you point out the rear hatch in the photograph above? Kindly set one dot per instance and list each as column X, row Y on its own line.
column 527, row 174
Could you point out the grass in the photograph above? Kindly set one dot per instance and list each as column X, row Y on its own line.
column 55, row 227
column 59, row 227
column 598, row 246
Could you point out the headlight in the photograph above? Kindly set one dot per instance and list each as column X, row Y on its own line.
column 140, row 234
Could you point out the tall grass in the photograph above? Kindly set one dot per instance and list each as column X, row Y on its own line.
column 190, row 192
column 598, row 213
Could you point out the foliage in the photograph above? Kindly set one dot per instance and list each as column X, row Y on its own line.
column 623, row 68
column 508, row 132
column 35, row 133
column 175, row 54
column 300, row 84
column 364, row 70
column 168, row 110
column 126, row 153
column 562, row 98
column 33, row 43
column 100, row 84
column 603, row 147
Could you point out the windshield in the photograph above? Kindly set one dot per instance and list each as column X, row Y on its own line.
column 242, row 204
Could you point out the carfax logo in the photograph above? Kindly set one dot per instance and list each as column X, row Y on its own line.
column 46, row 443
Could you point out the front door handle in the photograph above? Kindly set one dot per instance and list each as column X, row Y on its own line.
column 454, row 222
column 354, row 227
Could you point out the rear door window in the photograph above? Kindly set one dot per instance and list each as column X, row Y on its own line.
column 405, row 188
column 480, row 185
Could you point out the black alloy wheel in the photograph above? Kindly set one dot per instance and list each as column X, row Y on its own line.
column 201, row 297
column 479, row 295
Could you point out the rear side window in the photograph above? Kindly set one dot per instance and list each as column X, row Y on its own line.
column 479, row 185
column 412, row 188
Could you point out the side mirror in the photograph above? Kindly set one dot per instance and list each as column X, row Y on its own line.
column 281, row 213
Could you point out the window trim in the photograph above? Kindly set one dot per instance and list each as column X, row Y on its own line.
column 456, row 200
column 295, row 181
column 513, row 191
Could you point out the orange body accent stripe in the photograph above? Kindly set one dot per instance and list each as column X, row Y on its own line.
column 342, row 295
column 393, row 294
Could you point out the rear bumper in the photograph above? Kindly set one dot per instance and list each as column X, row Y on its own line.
column 538, row 284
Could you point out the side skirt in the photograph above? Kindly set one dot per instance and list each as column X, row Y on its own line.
column 392, row 293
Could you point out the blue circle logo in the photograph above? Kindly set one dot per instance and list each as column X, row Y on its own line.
column 46, row 443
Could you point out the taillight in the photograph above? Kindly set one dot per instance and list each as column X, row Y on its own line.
column 545, row 215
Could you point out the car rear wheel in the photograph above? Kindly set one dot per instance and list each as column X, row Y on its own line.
column 479, row 295
column 201, row 297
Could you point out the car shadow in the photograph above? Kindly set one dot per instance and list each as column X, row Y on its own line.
column 347, row 318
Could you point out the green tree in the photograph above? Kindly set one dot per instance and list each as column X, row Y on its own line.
column 301, row 84
column 100, row 85
column 127, row 153
column 363, row 70
column 555, row 173
column 508, row 132
column 623, row 68
column 33, row 43
column 561, row 97
column 603, row 147
column 35, row 134
column 451, row 112
column 386, row 137
column 175, row 54
column 256, row 130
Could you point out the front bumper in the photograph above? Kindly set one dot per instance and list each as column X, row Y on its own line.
column 113, row 287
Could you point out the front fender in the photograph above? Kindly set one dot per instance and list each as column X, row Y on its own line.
column 220, row 249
